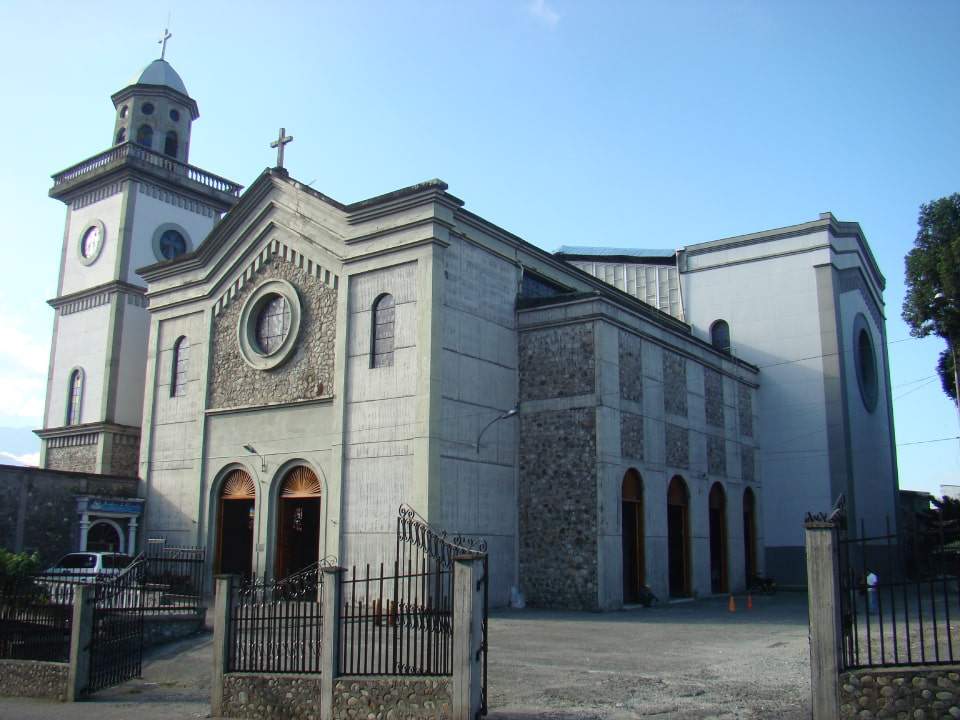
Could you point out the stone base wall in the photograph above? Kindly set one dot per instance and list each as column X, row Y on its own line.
column 31, row 678
column 918, row 693
column 392, row 698
column 279, row 697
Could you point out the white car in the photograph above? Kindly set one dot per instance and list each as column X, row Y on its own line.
column 83, row 565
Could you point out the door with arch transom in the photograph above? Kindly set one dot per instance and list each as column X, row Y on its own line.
column 298, row 522
column 235, row 525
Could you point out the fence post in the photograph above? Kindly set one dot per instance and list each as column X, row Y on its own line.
column 81, row 631
column 467, row 636
column 823, row 595
column 330, row 636
column 223, row 592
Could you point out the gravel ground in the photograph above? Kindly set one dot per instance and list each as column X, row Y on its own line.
column 685, row 661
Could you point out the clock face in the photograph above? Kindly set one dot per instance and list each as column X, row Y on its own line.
column 172, row 244
column 90, row 244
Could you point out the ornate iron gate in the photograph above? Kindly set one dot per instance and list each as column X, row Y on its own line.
column 424, row 549
column 116, row 640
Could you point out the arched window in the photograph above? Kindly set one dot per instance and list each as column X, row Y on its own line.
column 381, row 342
column 74, row 397
column 678, row 538
column 178, row 368
column 749, row 535
column 145, row 136
column 720, row 336
column 170, row 144
column 121, row 136
column 718, row 539
column 632, row 535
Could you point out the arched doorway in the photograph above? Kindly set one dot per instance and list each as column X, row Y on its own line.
column 235, row 524
column 632, row 536
column 749, row 535
column 678, row 534
column 104, row 537
column 298, row 521
column 718, row 539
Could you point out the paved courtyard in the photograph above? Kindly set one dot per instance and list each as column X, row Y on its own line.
column 688, row 660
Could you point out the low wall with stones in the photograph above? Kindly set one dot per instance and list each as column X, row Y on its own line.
column 903, row 693
column 392, row 698
column 278, row 697
column 32, row 678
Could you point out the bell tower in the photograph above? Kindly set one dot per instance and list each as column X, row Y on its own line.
column 135, row 204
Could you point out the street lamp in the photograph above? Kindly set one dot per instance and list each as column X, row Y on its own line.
column 503, row 416
column 252, row 450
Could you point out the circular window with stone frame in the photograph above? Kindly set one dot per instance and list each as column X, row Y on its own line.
column 91, row 242
column 865, row 360
column 170, row 241
column 269, row 324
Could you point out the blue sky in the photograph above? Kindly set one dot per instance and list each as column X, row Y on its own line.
column 602, row 123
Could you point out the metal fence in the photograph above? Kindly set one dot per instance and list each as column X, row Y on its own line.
column 33, row 624
column 173, row 580
column 275, row 625
column 397, row 623
column 894, row 609
column 116, row 639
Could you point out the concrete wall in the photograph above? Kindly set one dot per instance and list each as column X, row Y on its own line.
column 107, row 209
column 38, row 508
column 81, row 342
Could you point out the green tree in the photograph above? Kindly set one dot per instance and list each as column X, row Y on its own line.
column 932, row 302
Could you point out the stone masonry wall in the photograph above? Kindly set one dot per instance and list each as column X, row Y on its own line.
column 745, row 410
column 279, row 697
column 306, row 374
column 124, row 456
column 49, row 501
column 747, row 464
column 74, row 458
column 677, row 446
column 903, row 693
column 558, row 508
column 631, row 367
column 392, row 698
column 34, row 679
column 716, row 455
column 713, row 397
column 631, row 435
column 557, row 362
column 674, row 384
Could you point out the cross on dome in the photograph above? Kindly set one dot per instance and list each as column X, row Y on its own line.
column 162, row 42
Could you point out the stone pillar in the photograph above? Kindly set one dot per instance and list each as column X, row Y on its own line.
column 78, row 676
column 467, row 636
column 330, row 636
column 823, row 597
column 223, row 591
column 132, row 537
column 84, row 529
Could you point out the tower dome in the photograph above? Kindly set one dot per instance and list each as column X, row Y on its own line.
column 160, row 72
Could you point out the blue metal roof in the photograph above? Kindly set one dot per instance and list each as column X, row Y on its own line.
column 609, row 251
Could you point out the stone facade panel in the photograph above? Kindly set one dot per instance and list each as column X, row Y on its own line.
column 34, row 679
column 745, row 410
column 677, row 451
column 674, row 384
column 74, row 458
column 558, row 479
column 124, row 456
column 557, row 362
column 631, row 435
column 713, row 397
column 631, row 367
column 393, row 698
column 917, row 694
column 307, row 374
column 747, row 464
column 716, row 455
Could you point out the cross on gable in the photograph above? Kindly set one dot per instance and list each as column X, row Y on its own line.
column 282, row 139
column 162, row 42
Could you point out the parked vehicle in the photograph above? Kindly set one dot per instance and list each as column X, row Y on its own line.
column 86, row 566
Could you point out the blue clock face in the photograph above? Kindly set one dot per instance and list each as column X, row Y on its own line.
column 172, row 244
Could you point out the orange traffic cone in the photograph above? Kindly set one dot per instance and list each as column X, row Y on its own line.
column 732, row 604
column 749, row 601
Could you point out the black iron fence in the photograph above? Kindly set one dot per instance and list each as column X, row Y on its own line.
column 896, row 608
column 173, row 580
column 275, row 625
column 33, row 625
column 398, row 622
column 116, row 639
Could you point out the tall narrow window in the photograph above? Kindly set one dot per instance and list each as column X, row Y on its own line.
column 145, row 136
column 381, row 346
column 178, row 370
column 121, row 136
column 75, row 397
column 720, row 336
column 170, row 144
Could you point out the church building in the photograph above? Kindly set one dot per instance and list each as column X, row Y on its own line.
column 282, row 371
